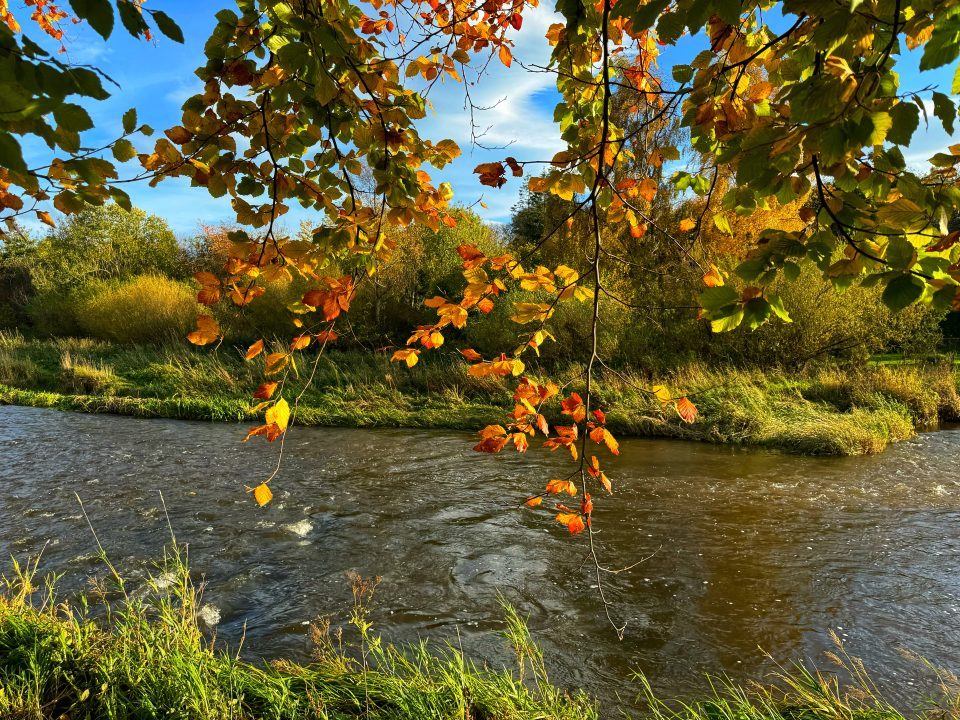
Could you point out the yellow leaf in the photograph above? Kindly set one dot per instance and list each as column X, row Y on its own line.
column 262, row 494
column 279, row 414
column 687, row 224
column 409, row 356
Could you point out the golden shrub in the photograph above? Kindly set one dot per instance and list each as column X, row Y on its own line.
column 145, row 309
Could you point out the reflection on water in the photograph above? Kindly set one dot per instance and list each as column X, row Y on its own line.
column 751, row 552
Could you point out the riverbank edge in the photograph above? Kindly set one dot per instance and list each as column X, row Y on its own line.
column 828, row 411
column 143, row 650
column 814, row 429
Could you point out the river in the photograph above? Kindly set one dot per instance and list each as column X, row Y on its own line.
column 753, row 556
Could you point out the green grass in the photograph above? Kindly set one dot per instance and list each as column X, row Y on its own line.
column 830, row 411
column 141, row 653
column 144, row 655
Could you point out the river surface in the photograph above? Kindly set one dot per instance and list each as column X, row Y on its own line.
column 754, row 556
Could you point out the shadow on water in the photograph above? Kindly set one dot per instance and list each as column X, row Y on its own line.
column 748, row 549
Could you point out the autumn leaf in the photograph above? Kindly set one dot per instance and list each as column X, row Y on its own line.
column 647, row 189
column 254, row 350
column 407, row 355
column 262, row 494
column 471, row 355
column 277, row 362
column 506, row 57
column 574, row 407
column 713, row 277
column 209, row 288
column 299, row 342
column 265, row 391
column 601, row 435
column 572, row 520
column 45, row 218
column 555, row 487
column 687, row 410
column 687, row 224
column 278, row 415
column 208, row 330
column 534, row 501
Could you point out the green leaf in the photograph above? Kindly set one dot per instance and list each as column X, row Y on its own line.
column 944, row 297
column 955, row 85
column 776, row 304
column 130, row 121
column 730, row 322
column 167, row 26
column 906, row 119
column 944, row 45
column 682, row 73
column 723, row 225
column 124, row 150
column 72, row 117
column 900, row 253
column 715, row 298
column 902, row 291
column 10, row 155
column 944, row 109
column 131, row 18
column 99, row 13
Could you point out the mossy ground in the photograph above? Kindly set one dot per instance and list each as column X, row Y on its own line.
column 835, row 411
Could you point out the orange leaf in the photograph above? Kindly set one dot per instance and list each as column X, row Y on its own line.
column 471, row 355
column 262, row 494
column 713, row 277
column 647, row 189
column 45, row 218
column 208, row 330
column 265, row 391
column 276, row 362
column 586, row 507
column 534, row 501
column 687, row 224
column 209, row 288
column 572, row 520
column 573, row 406
column 506, row 57
column 299, row 342
column 409, row 356
column 254, row 350
column 687, row 410
column 555, row 487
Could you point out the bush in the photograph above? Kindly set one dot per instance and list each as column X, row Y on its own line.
column 146, row 309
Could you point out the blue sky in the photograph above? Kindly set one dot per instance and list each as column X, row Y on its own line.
column 156, row 77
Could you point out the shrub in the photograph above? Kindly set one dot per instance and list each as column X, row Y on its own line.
column 146, row 309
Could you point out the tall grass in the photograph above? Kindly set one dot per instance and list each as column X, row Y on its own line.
column 125, row 653
column 144, row 655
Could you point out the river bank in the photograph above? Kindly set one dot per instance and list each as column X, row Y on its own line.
column 148, row 652
column 826, row 411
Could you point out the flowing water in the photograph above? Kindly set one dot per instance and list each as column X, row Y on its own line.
column 752, row 557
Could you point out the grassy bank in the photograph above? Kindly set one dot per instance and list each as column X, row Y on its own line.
column 144, row 654
column 824, row 411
